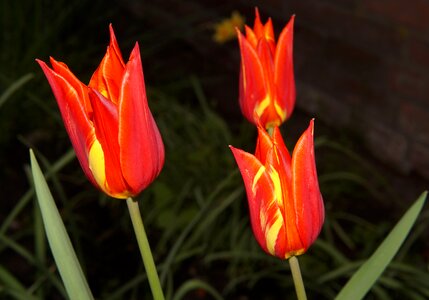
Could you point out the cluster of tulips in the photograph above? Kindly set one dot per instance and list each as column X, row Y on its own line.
column 120, row 149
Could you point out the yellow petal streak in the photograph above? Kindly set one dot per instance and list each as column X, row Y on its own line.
column 273, row 223
column 257, row 177
column 104, row 93
column 275, row 178
column 272, row 232
column 96, row 164
column 282, row 113
column 262, row 105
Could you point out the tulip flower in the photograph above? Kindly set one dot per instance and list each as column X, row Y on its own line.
column 109, row 123
column 267, row 84
column 286, row 207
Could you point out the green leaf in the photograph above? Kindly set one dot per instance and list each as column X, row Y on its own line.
column 14, row 87
column 59, row 241
column 365, row 277
column 13, row 286
column 196, row 284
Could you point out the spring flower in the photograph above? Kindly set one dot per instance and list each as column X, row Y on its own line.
column 286, row 207
column 267, row 84
column 109, row 122
column 225, row 29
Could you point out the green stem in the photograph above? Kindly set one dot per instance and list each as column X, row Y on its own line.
column 297, row 278
column 146, row 253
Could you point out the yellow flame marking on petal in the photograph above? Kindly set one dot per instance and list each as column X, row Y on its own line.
column 104, row 93
column 282, row 113
column 262, row 105
column 257, row 177
column 275, row 179
column 272, row 232
column 97, row 166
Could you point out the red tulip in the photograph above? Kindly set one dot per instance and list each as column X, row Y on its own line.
column 109, row 122
column 286, row 207
column 267, row 84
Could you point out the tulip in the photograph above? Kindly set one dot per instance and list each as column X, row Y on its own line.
column 285, row 203
column 109, row 123
column 267, row 84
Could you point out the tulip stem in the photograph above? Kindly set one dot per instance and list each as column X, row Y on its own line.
column 297, row 278
column 146, row 253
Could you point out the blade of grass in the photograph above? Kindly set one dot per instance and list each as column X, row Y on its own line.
column 28, row 256
column 196, row 284
column 14, row 87
column 362, row 281
column 25, row 199
column 59, row 241
column 13, row 284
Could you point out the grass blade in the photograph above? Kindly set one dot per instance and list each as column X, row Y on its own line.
column 59, row 241
column 14, row 87
column 362, row 281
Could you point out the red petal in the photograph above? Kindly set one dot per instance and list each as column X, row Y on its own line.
column 73, row 101
column 279, row 159
column 141, row 147
column 283, row 69
column 309, row 207
column 62, row 70
column 281, row 148
column 257, row 193
column 264, row 31
column 269, row 34
column 252, row 87
column 263, row 145
column 250, row 36
column 258, row 27
column 106, row 130
column 108, row 76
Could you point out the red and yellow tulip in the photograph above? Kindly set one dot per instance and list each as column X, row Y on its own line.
column 286, row 206
column 109, row 123
column 267, row 84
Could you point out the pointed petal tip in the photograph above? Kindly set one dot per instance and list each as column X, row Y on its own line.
column 136, row 48
column 234, row 150
column 111, row 32
column 41, row 63
column 257, row 12
column 311, row 126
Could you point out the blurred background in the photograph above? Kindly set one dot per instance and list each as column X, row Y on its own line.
column 361, row 71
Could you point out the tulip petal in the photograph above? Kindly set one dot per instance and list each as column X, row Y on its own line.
column 265, row 216
column 73, row 101
column 278, row 164
column 257, row 189
column 258, row 27
column 107, row 77
column 252, row 88
column 309, row 208
column 283, row 151
column 62, row 70
column 283, row 70
column 139, row 137
column 250, row 36
column 106, row 131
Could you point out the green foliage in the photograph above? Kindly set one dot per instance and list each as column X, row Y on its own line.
column 59, row 242
column 368, row 273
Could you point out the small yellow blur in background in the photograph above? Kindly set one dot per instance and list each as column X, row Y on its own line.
column 224, row 31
